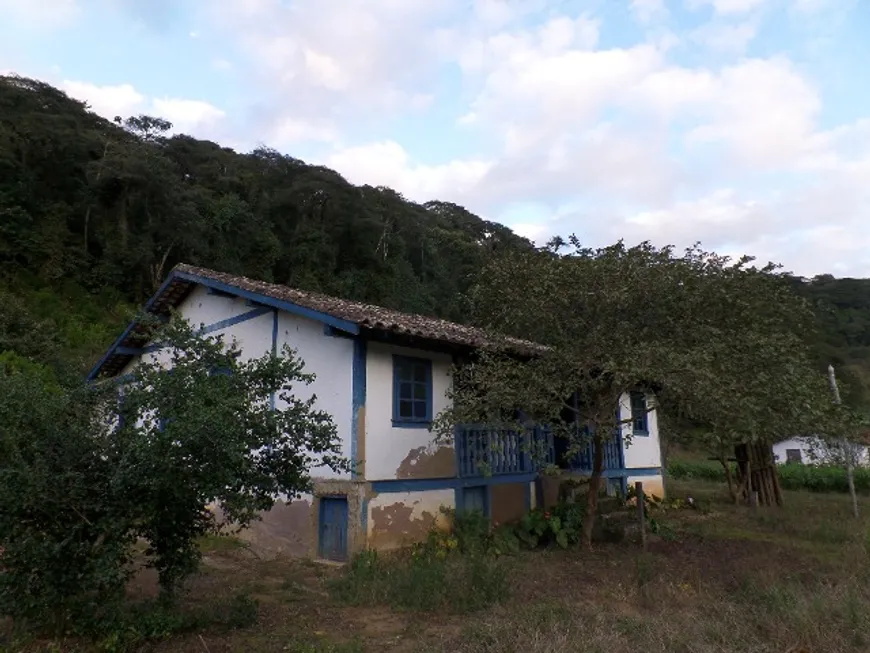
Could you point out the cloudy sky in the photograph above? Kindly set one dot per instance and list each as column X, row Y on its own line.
column 743, row 124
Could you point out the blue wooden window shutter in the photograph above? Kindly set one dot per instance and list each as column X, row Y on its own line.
column 412, row 391
column 639, row 414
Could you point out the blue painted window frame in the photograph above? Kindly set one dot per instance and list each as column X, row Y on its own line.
column 402, row 367
column 639, row 414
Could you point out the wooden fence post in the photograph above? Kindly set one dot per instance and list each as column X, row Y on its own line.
column 641, row 513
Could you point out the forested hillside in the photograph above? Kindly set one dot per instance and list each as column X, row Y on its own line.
column 94, row 213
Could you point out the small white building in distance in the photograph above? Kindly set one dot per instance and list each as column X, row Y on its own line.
column 812, row 450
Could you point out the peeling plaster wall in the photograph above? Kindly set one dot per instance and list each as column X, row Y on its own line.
column 642, row 450
column 286, row 529
column 402, row 518
column 395, row 452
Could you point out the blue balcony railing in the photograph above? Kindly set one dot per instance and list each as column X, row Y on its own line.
column 484, row 451
column 487, row 451
column 613, row 456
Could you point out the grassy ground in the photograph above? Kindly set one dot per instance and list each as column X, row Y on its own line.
column 719, row 579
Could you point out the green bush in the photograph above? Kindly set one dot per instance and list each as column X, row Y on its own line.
column 813, row 478
column 560, row 525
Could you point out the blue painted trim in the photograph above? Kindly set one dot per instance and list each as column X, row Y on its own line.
column 117, row 348
column 619, row 439
column 528, row 496
column 640, row 471
column 290, row 307
column 232, row 321
column 358, row 398
column 220, row 293
column 420, row 484
column 412, row 422
column 274, row 348
column 332, row 332
column 96, row 369
column 130, row 351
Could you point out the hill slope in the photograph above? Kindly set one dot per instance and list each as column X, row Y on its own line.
column 93, row 214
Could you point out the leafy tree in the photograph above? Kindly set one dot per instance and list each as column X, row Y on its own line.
column 85, row 472
column 64, row 537
column 705, row 333
column 198, row 428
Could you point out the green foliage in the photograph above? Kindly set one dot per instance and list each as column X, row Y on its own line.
column 191, row 437
column 78, row 486
column 117, row 204
column 430, row 580
column 706, row 333
column 155, row 621
column 813, row 478
column 65, row 536
column 561, row 526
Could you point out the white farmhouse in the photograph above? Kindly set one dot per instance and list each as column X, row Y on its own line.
column 383, row 375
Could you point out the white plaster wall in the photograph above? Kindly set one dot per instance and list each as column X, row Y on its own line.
column 652, row 485
column 330, row 359
column 387, row 446
column 202, row 309
column 642, row 450
column 779, row 450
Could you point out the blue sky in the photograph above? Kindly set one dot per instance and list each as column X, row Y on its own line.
column 743, row 124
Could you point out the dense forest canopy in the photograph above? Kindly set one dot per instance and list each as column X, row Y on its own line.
column 94, row 213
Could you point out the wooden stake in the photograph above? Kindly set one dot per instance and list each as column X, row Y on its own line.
column 641, row 516
column 847, row 449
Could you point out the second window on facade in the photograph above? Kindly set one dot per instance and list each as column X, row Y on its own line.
column 412, row 390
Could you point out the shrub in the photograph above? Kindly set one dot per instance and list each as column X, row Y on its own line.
column 814, row 478
column 560, row 525
column 65, row 541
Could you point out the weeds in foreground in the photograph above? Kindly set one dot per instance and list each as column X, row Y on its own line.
column 425, row 580
column 154, row 621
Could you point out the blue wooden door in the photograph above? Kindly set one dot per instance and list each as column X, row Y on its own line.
column 333, row 528
column 474, row 499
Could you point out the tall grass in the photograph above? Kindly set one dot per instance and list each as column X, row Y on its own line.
column 814, row 478
column 454, row 583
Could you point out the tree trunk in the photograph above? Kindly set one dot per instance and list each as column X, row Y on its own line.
column 729, row 477
column 594, row 487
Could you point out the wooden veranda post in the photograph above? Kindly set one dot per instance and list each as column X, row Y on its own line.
column 847, row 449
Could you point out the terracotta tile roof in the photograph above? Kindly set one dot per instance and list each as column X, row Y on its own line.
column 367, row 316
column 362, row 317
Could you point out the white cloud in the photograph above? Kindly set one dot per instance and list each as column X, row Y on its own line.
column 186, row 115
column 731, row 7
column 45, row 13
column 726, row 38
column 678, row 136
column 387, row 163
column 647, row 10
column 108, row 101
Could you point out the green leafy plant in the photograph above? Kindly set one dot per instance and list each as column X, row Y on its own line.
column 561, row 525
